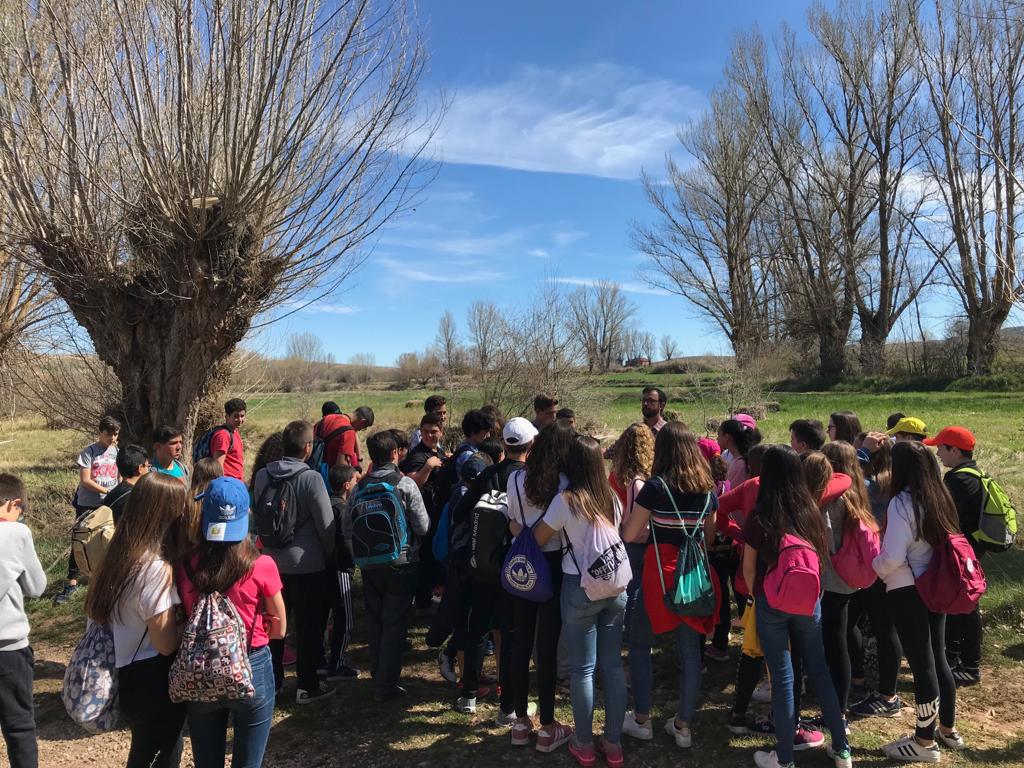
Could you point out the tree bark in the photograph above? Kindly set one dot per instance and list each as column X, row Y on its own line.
column 872, row 347
column 982, row 342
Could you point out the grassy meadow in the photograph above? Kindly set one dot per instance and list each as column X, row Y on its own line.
column 426, row 732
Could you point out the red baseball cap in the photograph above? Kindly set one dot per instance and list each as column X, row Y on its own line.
column 958, row 437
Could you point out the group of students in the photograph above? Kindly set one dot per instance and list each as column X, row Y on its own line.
column 618, row 554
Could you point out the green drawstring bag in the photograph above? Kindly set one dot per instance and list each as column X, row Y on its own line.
column 693, row 594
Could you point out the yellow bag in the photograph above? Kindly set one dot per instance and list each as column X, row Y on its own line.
column 751, row 642
column 90, row 539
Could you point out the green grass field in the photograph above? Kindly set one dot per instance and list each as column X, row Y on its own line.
column 426, row 732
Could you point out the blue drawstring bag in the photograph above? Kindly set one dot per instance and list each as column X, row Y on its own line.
column 525, row 572
column 441, row 542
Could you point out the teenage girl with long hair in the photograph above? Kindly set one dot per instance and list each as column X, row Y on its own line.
column 844, row 426
column 226, row 561
column 530, row 491
column 187, row 533
column 737, row 438
column 134, row 595
column 681, row 480
column 785, row 505
column 631, row 467
column 921, row 515
column 593, row 629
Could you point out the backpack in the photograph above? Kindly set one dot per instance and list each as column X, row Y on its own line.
column 489, row 536
column 852, row 561
column 525, row 572
column 201, row 450
column 277, row 510
column 793, row 584
column 693, row 593
column 316, row 460
column 439, row 546
column 607, row 572
column 997, row 518
column 89, row 692
column 380, row 531
column 954, row 581
column 212, row 663
column 90, row 539
column 446, row 479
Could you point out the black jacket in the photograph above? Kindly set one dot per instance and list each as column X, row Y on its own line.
column 968, row 496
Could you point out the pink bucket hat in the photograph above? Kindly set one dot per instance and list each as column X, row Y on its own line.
column 746, row 420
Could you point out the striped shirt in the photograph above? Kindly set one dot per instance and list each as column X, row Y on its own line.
column 669, row 522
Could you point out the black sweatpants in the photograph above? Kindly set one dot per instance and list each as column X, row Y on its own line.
column 486, row 604
column 387, row 595
column 17, row 719
column 304, row 596
column 542, row 621
column 872, row 601
column 963, row 640
column 155, row 721
column 923, row 636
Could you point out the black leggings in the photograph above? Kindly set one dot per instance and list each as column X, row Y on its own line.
column 923, row 635
column 834, row 611
column 725, row 566
column 872, row 601
column 154, row 720
column 543, row 621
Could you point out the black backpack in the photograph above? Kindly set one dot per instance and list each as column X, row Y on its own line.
column 316, row 460
column 446, row 479
column 277, row 511
column 202, row 446
column 488, row 536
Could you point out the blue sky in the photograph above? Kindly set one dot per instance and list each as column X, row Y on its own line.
column 555, row 107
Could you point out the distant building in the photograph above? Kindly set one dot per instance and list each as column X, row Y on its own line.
column 638, row 362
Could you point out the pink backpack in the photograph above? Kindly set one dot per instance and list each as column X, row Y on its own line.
column 954, row 581
column 793, row 585
column 852, row 562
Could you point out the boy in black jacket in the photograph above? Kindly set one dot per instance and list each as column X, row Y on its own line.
column 338, row 605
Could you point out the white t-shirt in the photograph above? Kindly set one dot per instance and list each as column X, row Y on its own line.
column 149, row 595
column 560, row 517
column 102, row 465
column 532, row 514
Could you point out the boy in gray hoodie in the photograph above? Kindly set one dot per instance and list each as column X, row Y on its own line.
column 302, row 562
column 21, row 576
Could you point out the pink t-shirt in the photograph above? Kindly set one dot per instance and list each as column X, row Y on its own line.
column 231, row 447
column 246, row 595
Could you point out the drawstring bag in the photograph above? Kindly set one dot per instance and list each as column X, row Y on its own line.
column 525, row 572
column 90, row 680
column 693, row 593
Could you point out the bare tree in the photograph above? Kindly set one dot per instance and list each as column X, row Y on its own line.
column 485, row 326
column 447, row 347
column 972, row 63
column 177, row 168
column 363, row 363
column 669, row 347
column 707, row 245
column 599, row 318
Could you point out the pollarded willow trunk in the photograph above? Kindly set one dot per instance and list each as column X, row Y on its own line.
column 872, row 347
column 982, row 342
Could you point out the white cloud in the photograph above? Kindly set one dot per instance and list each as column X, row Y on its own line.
column 629, row 286
column 440, row 239
column 568, row 237
column 316, row 305
column 417, row 272
column 601, row 119
column 540, row 253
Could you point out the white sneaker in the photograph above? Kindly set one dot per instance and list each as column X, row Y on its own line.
column 763, row 693
column 466, row 705
column 444, row 666
column 842, row 759
column 631, row 727
column 505, row 719
column 908, row 750
column 684, row 738
column 953, row 740
column 769, row 760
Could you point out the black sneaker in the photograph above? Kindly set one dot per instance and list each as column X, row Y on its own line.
column 303, row 696
column 389, row 694
column 65, row 594
column 341, row 672
column 876, row 705
column 738, row 724
column 964, row 677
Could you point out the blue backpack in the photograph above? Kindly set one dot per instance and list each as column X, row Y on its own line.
column 525, row 572
column 380, row 532
column 201, row 450
column 316, row 458
column 441, row 541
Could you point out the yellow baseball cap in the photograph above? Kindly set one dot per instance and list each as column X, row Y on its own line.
column 910, row 425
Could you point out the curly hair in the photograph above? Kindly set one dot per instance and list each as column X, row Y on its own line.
column 634, row 453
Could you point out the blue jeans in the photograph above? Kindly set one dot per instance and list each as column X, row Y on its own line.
column 635, row 552
column 641, row 668
column 776, row 631
column 208, row 722
column 593, row 632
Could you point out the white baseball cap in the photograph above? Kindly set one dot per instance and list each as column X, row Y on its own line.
column 518, row 431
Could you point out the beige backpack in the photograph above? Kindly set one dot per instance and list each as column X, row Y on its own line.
column 90, row 539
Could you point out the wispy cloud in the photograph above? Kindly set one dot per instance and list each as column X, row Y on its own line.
column 629, row 286
column 540, row 253
column 315, row 306
column 439, row 239
column 418, row 272
column 602, row 119
column 568, row 237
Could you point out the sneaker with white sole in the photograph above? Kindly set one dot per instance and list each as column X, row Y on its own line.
column 738, row 724
column 907, row 750
column 770, row 760
column 763, row 693
column 842, row 759
column 446, row 668
column 522, row 727
column 505, row 719
column 965, row 678
column 466, row 705
column 303, row 697
column 953, row 740
column 683, row 736
column 876, row 705
column 550, row 737
column 638, row 730
column 807, row 738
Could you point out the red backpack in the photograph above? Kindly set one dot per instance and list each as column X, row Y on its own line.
column 954, row 581
column 793, row 584
column 852, row 562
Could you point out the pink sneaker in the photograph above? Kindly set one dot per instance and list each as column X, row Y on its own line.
column 585, row 756
column 553, row 735
column 612, row 754
column 807, row 738
column 522, row 727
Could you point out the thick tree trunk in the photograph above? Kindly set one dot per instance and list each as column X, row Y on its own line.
column 872, row 346
column 982, row 343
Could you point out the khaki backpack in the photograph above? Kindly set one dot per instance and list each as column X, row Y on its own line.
column 90, row 539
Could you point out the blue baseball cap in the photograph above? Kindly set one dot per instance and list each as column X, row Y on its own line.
column 225, row 510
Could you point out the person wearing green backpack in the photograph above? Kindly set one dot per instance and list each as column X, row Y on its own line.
column 989, row 522
column 680, row 503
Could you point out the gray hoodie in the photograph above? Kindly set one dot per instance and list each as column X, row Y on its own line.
column 412, row 502
column 314, row 524
column 21, row 576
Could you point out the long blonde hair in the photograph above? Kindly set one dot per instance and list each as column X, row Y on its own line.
column 634, row 454
column 843, row 458
column 155, row 504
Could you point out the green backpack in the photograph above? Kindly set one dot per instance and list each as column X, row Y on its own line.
column 997, row 524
